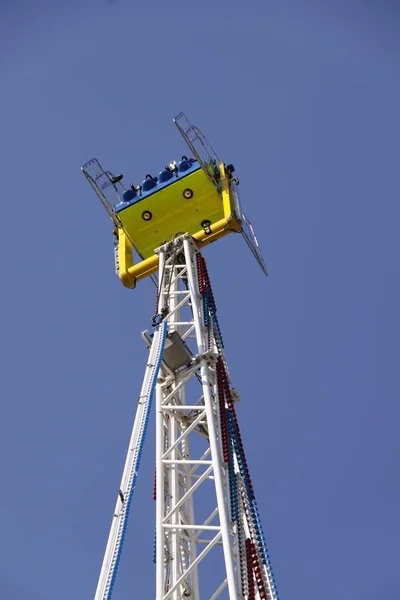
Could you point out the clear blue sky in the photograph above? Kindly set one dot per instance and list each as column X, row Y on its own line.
column 303, row 96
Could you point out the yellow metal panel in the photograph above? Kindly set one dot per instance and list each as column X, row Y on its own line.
column 172, row 213
column 125, row 259
column 130, row 275
column 226, row 198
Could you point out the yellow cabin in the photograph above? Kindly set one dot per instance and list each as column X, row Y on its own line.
column 196, row 196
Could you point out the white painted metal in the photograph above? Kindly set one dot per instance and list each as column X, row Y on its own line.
column 198, row 524
column 182, row 541
column 118, row 524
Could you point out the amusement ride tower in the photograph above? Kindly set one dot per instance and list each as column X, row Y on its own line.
column 207, row 519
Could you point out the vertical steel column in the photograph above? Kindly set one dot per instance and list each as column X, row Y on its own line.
column 182, row 544
column 198, row 448
column 190, row 251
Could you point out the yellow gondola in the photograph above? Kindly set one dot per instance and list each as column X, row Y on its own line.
column 196, row 196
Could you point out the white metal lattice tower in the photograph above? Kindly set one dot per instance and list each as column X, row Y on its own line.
column 207, row 521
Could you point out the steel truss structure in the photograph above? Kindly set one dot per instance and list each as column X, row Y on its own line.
column 207, row 520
